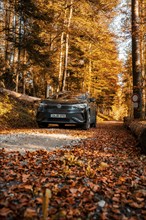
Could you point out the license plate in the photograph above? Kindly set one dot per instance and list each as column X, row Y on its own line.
column 58, row 115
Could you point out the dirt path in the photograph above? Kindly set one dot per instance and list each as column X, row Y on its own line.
column 45, row 139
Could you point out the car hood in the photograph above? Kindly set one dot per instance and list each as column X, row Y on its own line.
column 63, row 101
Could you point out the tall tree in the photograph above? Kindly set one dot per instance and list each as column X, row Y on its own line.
column 142, row 8
column 136, row 61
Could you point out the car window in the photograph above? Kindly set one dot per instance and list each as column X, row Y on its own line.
column 68, row 95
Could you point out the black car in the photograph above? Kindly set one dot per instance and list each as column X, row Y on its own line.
column 67, row 108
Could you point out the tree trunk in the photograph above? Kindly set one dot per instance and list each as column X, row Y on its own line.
column 14, row 57
column 136, row 65
column 33, row 84
column 19, row 52
column 60, row 60
column 90, row 69
column 24, row 72
column 65, row 62
column 7, row 29
column 67, row 46
column 142, row 52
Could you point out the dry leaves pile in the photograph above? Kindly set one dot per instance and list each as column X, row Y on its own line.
column 103, row 178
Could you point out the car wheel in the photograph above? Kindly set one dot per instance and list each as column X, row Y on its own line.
column 42, row 125
column 86, row 126
column 94, row 123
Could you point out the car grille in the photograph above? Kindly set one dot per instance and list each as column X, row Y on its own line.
column 56, row 107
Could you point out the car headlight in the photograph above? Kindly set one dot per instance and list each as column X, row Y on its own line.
column 41, row 107
column 42, row 104
column 80, row 106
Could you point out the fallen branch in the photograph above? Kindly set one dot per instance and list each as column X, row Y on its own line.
column 20, row 96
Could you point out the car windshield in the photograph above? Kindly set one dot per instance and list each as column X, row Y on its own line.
column 69, row 95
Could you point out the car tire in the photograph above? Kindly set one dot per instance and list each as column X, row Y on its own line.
column 86, row 126
column 42, row 125
column 94, row 124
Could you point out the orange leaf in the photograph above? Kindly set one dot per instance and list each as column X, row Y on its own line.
column 25, row 177
column 122, row 179
column 81, row 189
column 93, row 186
column 136, row 205
column 39, row 200
column 27, row 187
column 5, row 211
column 73, row 190
column 30, row 213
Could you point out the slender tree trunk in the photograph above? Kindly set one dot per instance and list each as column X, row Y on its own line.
column 67, row 46
column 24, row 72
column 65, row 62
column 19, row 52
column 33, row 84
column 62, row 52
column 90, row 69
column 60, row 60
column 7, row 25
column 14, row 49
column 136, row 65
column 18, row 71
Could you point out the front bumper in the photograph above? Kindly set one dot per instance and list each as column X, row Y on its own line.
column 72, row 117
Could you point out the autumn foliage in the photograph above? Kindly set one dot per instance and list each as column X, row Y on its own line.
column 104, row 177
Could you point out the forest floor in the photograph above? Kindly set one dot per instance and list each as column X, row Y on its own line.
column 101, row 177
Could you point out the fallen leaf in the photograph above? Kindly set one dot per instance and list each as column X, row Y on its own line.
column 25, row 177
column 5, row 212
column 136, row 205
column 30, row 213
column 73, row 190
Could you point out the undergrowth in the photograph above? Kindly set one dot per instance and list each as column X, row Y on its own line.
column 15, row 113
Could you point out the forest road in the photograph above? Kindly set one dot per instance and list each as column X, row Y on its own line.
column 41, row 139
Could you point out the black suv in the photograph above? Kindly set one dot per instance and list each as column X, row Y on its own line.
column 67, row 108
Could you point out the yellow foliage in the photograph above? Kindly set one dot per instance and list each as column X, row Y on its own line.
column 5, row 108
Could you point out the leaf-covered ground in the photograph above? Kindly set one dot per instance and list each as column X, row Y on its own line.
column 102, row 178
